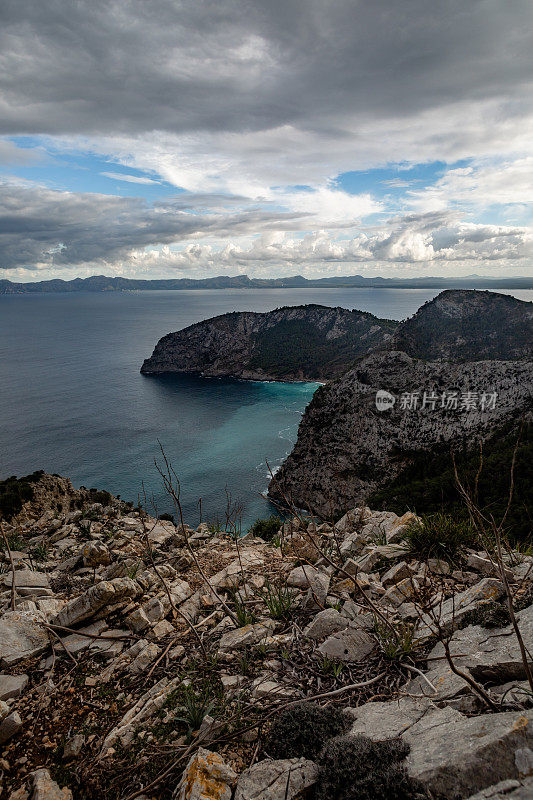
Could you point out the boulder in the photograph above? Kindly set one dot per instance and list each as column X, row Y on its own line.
column 21, row 637
column 44, row 788
column 276, row 780
column 489, row 655
column 507, row 790
column 206, row 777
column 486, row 566
column 12, row 685
column 455, row 608
column 145, row 708
column 388, row 720
column 9, row 726
column 28, row 583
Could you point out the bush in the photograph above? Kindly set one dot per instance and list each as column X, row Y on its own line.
column 167, row 517
column 439, row 536
column 356, row 768
column 266, row 528
column 303, row 730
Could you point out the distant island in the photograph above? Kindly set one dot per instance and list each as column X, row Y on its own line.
column 102, row 283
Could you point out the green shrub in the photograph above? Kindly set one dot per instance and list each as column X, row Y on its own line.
column 356, row 768
column 303, row 730
column 266, row 528
column 439, row 536
column 279, row 599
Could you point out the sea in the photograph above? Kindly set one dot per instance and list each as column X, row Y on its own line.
column 73, row 402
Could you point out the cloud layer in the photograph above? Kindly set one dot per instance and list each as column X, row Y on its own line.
column 255, row 109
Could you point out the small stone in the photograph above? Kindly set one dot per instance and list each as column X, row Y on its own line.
column 162, row 628
column 239, row 638
column 10, row 725
column 12, row 685
column 206, row 777
column 396, row 574
column 325, row 623
column 147, row 655
column 74, row 746
column 351, row 644
column 96, row 554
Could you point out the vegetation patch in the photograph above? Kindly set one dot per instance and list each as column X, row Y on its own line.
column 356, row 768
column 303, row 730
column 439, row 536
column 427, row 484
column 267, row 528
column 14, row 492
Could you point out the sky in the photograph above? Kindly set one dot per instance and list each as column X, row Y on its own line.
column 191, row 138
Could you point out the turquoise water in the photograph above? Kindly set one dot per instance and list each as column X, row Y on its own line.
column 72, row 400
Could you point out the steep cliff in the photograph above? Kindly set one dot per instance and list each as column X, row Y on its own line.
column 347, row 448
column 292, row 343
column 460, row 342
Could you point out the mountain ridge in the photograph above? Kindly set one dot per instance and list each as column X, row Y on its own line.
column 103, row 283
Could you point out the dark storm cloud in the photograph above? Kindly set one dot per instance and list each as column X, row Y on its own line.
column 131, row 66
column 41, row 226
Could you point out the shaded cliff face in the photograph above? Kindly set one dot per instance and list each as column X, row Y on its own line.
column 347, row 448
column 293, row 343
column 470, row 326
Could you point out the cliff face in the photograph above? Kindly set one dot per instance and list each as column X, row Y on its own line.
column 347, row 448
column 293, row 343
column 467, row 325
column 461, row 341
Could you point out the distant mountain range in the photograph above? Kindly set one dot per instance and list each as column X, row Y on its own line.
column 101, row 283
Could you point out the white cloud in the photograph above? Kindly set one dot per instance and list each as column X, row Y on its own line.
column 478, row 186
column 119, row 176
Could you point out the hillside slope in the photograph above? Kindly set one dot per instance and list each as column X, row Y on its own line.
column 293, row 343
column 467, row 325
column 347, row 448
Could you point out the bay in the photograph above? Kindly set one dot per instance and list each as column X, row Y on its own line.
column 72, row 400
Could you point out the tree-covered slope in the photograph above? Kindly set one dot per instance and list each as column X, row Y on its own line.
column 292, row 343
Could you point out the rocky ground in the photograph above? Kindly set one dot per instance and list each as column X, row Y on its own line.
column 141, row 659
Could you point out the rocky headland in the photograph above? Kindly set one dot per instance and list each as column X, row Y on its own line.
column 140, row 658
column 463, row 375
column 293, row 343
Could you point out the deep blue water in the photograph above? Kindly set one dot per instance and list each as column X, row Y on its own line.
column 72, row 400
